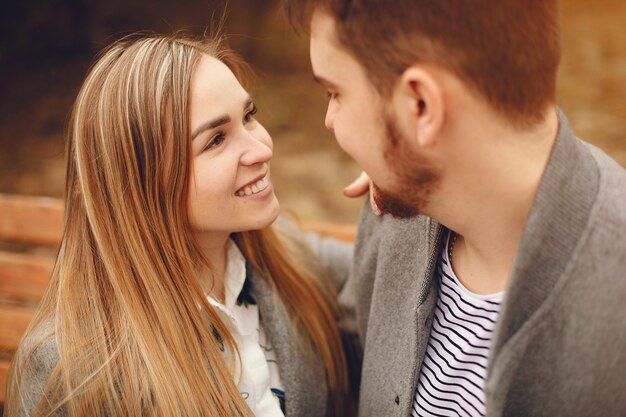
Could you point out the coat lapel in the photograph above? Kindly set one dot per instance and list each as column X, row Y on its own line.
column 400, row 314
column 303, row 383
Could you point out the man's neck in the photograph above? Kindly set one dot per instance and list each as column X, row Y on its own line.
column 488, row 193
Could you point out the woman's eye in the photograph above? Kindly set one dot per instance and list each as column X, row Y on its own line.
column 331, row 95
column 215, row 141
column 250, row 114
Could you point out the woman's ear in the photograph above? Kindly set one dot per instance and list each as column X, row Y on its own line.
column 422, row 98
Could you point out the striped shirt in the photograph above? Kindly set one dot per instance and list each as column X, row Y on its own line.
column 451, row 380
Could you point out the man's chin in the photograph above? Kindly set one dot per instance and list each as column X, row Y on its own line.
column 388, row 203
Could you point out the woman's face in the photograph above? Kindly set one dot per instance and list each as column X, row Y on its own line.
column 229, row 190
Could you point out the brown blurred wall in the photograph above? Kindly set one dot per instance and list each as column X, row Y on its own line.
column 47, row 45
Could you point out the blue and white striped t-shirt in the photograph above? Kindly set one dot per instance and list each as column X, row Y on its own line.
column 451, row 380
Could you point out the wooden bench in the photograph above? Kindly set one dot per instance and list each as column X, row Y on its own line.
column 30, row 231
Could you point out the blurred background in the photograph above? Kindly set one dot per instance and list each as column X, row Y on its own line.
column 46, row 47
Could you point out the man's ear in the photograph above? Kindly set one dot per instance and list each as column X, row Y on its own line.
column 422, row 96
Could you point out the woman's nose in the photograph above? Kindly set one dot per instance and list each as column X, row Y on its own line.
column 258, row 149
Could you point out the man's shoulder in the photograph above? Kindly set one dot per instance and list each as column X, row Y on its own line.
column 608, row 166
column 610, row 206
column 600, row 256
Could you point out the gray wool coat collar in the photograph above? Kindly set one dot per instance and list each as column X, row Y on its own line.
column 558, row 219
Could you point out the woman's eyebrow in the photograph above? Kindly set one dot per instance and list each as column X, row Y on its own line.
column 222, row 120
column 211, row 124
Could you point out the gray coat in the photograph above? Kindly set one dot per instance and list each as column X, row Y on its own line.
column 559, row 347
column 304, row 382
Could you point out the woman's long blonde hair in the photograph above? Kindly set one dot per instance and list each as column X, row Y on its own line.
column 134, row 331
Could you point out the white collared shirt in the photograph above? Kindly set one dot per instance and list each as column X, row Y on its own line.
column 259, row 382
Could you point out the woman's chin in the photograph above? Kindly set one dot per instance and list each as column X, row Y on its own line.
column 271, row 216
column 264, row 219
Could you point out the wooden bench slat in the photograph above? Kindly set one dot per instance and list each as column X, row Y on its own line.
column 343, row 232
column 4, row 370
column 13, row 323
column 33, row 220
column 24, row 276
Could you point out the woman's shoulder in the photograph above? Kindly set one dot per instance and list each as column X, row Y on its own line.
column 36, row 359
column 40, row 345
column 45, row 352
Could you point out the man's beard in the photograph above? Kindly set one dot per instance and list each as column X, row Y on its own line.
column 416, row 180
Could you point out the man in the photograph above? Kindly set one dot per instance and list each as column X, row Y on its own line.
column 496, row 286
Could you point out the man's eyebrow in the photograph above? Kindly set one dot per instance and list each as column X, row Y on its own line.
column 323, row 81
column 222, row 120
column 247, row 103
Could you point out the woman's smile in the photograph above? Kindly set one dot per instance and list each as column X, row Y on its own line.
column 256, row 189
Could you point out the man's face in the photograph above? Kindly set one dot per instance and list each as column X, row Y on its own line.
column 354, row 113
column 365, row 126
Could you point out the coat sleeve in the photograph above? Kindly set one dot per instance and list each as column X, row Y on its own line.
column 334, row 256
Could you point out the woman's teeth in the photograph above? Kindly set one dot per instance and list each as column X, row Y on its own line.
column 257, row 187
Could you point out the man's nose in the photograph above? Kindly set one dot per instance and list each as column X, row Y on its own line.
column 329, row 120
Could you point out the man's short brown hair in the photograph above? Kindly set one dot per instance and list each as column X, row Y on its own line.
column 507, row 51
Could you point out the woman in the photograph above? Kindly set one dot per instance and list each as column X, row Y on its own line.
column 168, row 260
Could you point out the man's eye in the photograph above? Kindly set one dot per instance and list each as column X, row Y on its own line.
column 215, row 141
column 250, row 114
